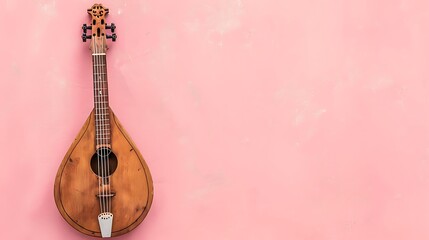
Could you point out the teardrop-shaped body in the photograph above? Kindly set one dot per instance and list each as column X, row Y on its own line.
column 77, row 186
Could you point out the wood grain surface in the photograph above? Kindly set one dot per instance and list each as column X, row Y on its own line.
column 77, row 186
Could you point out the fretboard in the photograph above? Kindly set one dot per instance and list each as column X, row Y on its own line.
column 101, row 100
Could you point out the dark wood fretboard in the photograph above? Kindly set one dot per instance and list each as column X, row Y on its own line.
column 101, row 100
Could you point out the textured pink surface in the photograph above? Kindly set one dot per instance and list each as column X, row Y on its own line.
column 259, row 119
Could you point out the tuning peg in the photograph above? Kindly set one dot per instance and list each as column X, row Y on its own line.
column 85, row 27
column 113, row 37
column 112, row 27
column 84, row 37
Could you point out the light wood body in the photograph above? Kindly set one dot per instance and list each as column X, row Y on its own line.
column 76, row 185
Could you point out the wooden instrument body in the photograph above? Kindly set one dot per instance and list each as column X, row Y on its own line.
column 76, row 185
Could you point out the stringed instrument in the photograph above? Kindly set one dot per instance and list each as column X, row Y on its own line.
column 103, row 187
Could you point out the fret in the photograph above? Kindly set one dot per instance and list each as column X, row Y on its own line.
column 101, row 133
column 106, row 133
column 102, row 119
column 98, row 65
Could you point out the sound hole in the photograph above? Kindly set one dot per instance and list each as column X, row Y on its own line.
column 104, row 162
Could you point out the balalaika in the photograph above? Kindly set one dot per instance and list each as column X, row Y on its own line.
column 103, row 187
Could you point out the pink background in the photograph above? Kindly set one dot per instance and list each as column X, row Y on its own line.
column 258, row 119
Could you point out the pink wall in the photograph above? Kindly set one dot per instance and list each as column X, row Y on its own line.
column 259, row 119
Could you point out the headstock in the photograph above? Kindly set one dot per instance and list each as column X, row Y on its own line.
column 98, row 28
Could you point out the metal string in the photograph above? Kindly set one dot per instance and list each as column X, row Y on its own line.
column 100, row 121
column 94, row 59
column 106, row 114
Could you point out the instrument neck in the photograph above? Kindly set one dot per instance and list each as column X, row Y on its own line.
column 101, row 100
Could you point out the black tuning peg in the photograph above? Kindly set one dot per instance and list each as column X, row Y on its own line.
column 85, row 28
column 113, row 37
column 112, row 27
column 84, row 37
